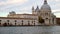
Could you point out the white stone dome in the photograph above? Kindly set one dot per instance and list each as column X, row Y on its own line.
column 45, row 7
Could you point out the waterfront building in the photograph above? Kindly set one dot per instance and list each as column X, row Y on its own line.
column 58, row 21
column 31, row 19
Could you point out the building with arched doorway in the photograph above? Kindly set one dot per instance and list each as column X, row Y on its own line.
column 31, row 19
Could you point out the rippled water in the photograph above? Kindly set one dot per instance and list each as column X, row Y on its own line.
column 30, row 30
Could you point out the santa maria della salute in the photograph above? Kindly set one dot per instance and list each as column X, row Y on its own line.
column 43, row 16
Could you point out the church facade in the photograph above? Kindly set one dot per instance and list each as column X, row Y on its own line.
column 31, row 19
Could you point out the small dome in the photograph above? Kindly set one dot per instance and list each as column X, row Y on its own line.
column 37, row 9
column 12, row 12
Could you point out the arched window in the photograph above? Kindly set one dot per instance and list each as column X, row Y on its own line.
column 10, row 24
column 46, row 18
column 46, row 14
column 15, row 22
column 49, row 21
column 53, row 20
column 32, row 21
column 22, row 22
column 28, row 21
column 4, row 24
column 8, row 21
column 0, row 22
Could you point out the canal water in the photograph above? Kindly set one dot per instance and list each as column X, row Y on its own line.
column 30, row 30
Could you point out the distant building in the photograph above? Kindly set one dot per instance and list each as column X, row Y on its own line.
column 31, row 19
column 58, row 21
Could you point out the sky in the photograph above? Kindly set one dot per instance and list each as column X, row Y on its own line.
column 25, row 6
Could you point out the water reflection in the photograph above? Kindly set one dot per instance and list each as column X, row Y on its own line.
column 30, row 30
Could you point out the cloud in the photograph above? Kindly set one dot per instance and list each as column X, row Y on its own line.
column 56, row 11
column 13, row 2
column 53, row 0
column 57, row 0
column 26, row 9
column 57, row 14
column 58, row 5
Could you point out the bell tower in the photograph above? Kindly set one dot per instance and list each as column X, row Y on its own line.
column 33, row 10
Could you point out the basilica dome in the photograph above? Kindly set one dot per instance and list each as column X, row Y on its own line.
column 45, row 6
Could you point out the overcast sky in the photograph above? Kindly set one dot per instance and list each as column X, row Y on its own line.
column 24, row 6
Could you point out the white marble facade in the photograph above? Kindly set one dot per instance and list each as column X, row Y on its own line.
column 32, row 19
column 18, row 21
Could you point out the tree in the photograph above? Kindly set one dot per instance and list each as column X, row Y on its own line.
column 40, row 20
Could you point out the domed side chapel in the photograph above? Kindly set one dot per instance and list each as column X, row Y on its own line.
column 48, row 18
